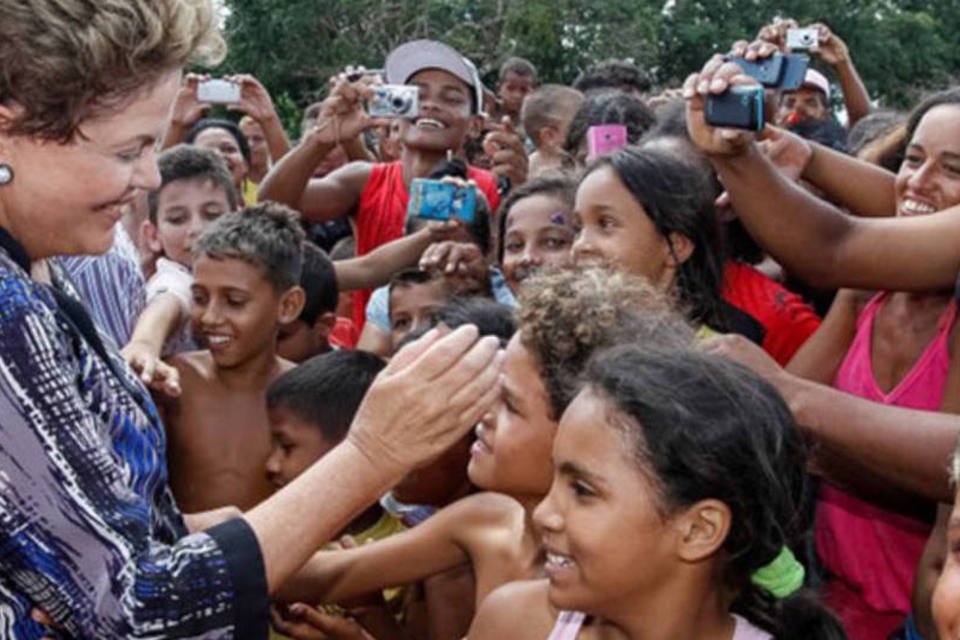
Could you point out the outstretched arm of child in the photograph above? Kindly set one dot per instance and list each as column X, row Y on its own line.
column 155, row 325
column 448, row 539
column 374, row 269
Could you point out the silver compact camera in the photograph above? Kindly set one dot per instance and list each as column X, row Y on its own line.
column 218, row 91
column 803, row 39
column 394, row 101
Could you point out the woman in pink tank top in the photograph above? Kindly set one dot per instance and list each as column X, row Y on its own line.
column 898, row 351
column 677, row 477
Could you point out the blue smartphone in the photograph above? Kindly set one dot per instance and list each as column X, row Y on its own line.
column 438, row 200
column 738, row 108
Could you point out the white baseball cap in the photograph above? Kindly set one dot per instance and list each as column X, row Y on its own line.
column 817, row 80
column 415, row 56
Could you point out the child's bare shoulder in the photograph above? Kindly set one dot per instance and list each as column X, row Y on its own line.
column 489, row 509
column 516, row 610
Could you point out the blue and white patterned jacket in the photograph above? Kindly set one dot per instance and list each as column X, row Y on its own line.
column 89, row 530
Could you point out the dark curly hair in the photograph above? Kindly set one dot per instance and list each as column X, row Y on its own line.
column 565, row 316
column 710, row 428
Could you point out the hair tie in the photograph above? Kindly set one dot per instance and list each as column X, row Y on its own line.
column 782, row 577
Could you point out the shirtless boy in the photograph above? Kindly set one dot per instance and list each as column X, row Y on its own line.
column 246, row 272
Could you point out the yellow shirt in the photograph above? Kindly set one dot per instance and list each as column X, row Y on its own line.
column 250, row 192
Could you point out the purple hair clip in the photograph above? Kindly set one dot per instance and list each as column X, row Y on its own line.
column 558, row 217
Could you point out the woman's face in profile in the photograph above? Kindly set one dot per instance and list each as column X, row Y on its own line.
column 66, row 199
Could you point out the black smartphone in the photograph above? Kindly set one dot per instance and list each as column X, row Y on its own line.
column 779, row 71
column 766, row 71
column 737, row 108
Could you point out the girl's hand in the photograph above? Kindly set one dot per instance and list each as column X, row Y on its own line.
column 255, row 100
column 715, row 78
column 463, row 262
column 303, row 622
column 507, row 156
column 342, row 115
column 186, row 108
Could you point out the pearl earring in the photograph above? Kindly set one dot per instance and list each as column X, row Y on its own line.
column 6, row 173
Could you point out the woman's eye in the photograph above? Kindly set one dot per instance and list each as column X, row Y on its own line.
column 236, row 302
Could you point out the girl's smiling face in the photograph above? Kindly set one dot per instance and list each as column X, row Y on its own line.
column 614, row 230
column 538, row 232
column 602, row 516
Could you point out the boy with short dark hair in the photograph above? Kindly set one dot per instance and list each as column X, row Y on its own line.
column 517, row 78
column 247, row 268
column 309, row 334
column 414, row 296
column 195, row 190
column 546, row 117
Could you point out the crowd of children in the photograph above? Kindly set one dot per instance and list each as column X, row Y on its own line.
column 642, row 475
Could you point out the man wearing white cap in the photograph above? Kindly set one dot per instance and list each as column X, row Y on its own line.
column 808, row 103
column 376, row 195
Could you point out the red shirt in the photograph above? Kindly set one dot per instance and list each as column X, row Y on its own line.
column 786, row 320
column 383, row 210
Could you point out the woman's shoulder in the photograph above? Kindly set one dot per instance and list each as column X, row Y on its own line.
column 519, row 610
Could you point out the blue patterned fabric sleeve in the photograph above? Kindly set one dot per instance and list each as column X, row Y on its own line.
column 89, row 531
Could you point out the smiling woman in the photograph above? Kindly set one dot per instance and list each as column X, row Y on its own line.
column 91, row 539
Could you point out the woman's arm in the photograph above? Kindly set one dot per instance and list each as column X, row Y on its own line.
column 820, row 356
column 807, row 235
column 432, row 392
column 862, row 188
column 905, row 449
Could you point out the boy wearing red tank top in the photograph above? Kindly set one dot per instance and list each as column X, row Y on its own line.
column 376, row 195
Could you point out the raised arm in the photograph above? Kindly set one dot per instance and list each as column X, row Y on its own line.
column 255, row 101
column 430, row 394
column 833, row 50
column 291, row 181
column 376, row 267
column 807, row 235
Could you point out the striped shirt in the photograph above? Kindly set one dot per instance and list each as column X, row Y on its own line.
column 89, row 531
column 111, row 285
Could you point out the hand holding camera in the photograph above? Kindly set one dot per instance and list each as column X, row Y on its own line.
column 187, row 106
column 831, row 48
column 342, row 115
column 252, row 98
column 716, row 78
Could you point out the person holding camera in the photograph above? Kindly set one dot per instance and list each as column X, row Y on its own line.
column 811, row 101
column 241, row 93
column 376, row 195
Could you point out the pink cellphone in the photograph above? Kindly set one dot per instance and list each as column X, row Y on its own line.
column 605, row 138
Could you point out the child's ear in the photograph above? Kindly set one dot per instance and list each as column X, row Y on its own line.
column 324, row 324
column 475, row 127
column 549, row 137
column 291, row 304
column 702, row 528
column 151, row 235
column 682, row 249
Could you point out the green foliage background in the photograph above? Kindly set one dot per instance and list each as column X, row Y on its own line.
column 901, row 47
